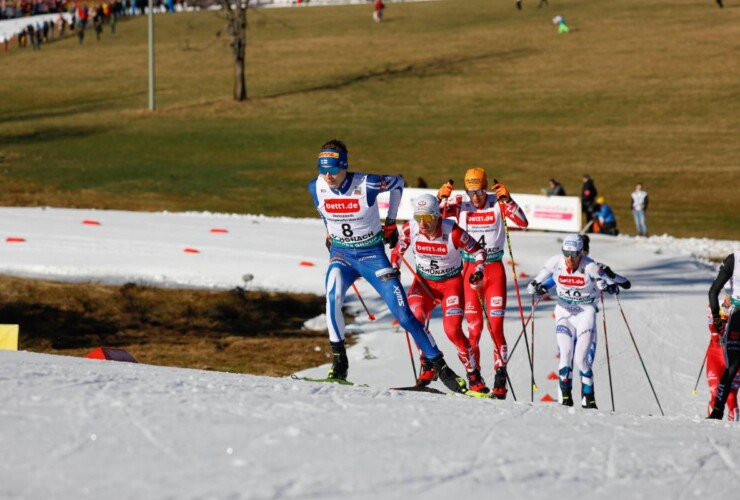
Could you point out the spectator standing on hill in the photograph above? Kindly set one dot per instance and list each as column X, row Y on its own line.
column 556, row 189
column 639, row 207
column 588, row 197
column 719, row 2
column 378, row 9
column 355, row 237
column 421, row 183
column 605, row 221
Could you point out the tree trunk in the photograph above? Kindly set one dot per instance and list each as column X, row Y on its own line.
column 236, row 17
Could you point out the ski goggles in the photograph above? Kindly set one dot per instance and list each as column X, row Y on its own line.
column 571, row 253
column 428, row 218
column 477, row 192
column 328, row 170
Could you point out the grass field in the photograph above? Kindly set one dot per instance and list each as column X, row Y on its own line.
column 638, row 90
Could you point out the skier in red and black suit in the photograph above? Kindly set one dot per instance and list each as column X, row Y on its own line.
column 437, row 244
column 728, row 271
column 716, row 364
column 482, row 217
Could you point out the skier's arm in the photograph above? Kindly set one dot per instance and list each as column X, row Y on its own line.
column 404, row 239
column 392, row 184
column 514, row 212
column 611, row 277
column 463, row 241
column 723, row 276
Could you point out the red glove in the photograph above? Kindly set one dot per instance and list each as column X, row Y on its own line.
column 445, row 191
column 390, row 232
column 501, row 192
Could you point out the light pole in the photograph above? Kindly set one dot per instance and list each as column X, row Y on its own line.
column 151, row 55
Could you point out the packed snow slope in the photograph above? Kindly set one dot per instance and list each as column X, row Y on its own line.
column 79, row 428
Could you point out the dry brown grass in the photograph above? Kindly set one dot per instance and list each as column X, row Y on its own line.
column 235, row 331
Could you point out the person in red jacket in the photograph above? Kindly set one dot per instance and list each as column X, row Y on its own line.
column 379, row 7
column 481, row 215
column 437, row 244
column 716, row 365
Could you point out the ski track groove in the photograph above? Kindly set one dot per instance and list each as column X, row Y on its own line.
column 725, row 456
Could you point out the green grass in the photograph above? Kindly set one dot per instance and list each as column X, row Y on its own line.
column 637, row 91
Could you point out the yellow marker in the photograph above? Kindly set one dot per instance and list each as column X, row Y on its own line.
column 9, row 337
column 693, row 392
column 534, row 386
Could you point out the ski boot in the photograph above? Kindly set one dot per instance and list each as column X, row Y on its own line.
column 717, row 412
column 589, row 402
column 428, row 374
column 567, row 396
column 448, row 377
column 499, row 383
column 340, row 365
column 476, row 382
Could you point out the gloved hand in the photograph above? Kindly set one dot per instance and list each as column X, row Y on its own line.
column 445, row 191
column 328, row 243
column 601, row 284
column 537, row 288
column 501, row 192
column 390, row 232
column 476, row 280
column 719, row 323
column 612, row 289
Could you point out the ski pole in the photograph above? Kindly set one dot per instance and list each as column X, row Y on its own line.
column 495, row 345
column 532, row 392
column 701, row 370
column 606, row 342
column 638, row 355
column 518, row 296
column 411, row 355
column 537, row 301
column 371, row 317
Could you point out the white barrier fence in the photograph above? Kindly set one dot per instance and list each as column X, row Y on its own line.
column 548, row 213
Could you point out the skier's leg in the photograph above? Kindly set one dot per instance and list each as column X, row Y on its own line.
column 452, row 313
column 496, row 305
column 585, row 351
column 565, row 336
column 732, row 355
column 473, row 312
column 339, row 277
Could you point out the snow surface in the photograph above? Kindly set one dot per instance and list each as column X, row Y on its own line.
column 79, row 428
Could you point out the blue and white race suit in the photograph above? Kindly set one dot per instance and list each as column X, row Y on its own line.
column 352, row 221
column 575, row 316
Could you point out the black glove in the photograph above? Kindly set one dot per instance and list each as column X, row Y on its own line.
column 476, row 280
column 390, row 232
column 537, row 288
column 612, row 289
column 719, row 323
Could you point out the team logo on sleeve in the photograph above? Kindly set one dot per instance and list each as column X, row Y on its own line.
column 572, row 280
column 342, row 206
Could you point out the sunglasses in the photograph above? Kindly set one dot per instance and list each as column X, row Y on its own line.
column 478, row 192
column 571, row 253
column 428, row 218
column 328, row 170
